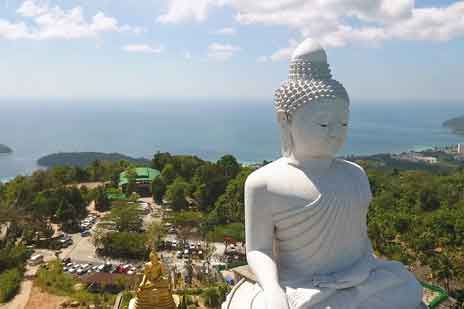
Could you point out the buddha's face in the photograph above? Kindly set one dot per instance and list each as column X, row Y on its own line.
column 318, row 130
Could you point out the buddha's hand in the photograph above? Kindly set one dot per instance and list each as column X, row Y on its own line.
column 276, row 298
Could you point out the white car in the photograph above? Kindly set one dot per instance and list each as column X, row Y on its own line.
column 72, row 270
column 82, row 270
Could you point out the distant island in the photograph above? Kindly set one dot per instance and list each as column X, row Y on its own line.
column 455, row 124
column 5, row 149
column 83, row 159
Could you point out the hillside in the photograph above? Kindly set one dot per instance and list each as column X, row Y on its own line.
column 83, row 159
column 455, row 124
column 5, row 149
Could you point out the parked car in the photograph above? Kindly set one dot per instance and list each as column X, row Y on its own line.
column 84, row 268
column 108, row 267
column 65, row 242
column 85, row 233
column 82, row 271
column 72, row 270
column 36, row 259
column 120, row 269
column 66, row 260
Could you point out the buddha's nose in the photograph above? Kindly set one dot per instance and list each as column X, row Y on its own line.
column 333, row 131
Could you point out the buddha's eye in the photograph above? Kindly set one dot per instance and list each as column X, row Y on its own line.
column 323, row 125
column 344, row 124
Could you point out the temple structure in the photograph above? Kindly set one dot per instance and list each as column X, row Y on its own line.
column 305, row 213
column 154, row 292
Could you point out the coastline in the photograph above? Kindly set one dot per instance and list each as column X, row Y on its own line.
column 74, row 158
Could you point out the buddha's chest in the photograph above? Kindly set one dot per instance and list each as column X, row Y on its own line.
column 300, row 192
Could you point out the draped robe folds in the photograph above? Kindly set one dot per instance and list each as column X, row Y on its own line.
column 325, row 258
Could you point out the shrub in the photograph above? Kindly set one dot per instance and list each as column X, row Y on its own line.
column 9, row 284
column 234, row 230
column 124, row 245
column 52, row 279
column 13, row 256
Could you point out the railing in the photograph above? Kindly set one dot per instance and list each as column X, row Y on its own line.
column 442, row 295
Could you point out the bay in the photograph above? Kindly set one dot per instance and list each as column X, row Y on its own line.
column 247, row 130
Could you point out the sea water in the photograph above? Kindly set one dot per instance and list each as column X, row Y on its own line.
column 247, row 130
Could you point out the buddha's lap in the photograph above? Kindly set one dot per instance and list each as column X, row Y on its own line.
column 389, row 286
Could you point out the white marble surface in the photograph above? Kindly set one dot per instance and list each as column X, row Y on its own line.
column 132, row 303
column 305, row 214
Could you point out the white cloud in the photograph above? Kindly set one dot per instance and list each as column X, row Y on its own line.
column 42, row 22
column 31, row 9
column 187, row 10
column 143, row 48
column 438, row 24
column 222, row 52
column 226, row 31
column 335, row 23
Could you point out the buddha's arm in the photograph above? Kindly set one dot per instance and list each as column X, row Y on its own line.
column 259, row 239
column 144, row 281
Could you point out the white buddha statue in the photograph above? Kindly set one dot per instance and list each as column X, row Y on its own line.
column 305, row 213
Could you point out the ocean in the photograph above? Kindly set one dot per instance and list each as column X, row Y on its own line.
column 247, row 130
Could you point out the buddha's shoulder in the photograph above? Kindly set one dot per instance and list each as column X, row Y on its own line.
column 261, row 177
column 350, row 168
column 355, row 173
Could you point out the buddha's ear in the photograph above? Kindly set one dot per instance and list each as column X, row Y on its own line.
column 282, row 118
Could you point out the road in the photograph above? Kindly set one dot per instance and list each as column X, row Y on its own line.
column 82, row 250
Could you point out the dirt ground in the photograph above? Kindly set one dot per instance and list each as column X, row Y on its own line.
column 90, row 185
column 43, row 300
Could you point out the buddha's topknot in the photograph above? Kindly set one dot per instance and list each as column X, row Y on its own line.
column 309, row 80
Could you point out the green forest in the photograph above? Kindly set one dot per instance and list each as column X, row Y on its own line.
column 416, row 216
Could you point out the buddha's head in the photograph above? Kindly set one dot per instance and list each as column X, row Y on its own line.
column 154, row 258
column 312, row 108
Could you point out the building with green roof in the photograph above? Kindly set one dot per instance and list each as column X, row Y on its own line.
column 143, row 179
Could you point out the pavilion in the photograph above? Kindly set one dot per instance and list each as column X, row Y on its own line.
column 144, row 178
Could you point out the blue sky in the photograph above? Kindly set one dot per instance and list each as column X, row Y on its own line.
column 381, row 50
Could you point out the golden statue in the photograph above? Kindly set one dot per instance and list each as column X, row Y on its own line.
column 154, row 292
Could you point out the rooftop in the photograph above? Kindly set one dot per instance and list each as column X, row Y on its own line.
column 143, row 174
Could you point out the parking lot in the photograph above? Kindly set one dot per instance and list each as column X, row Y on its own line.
column 80, row 255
